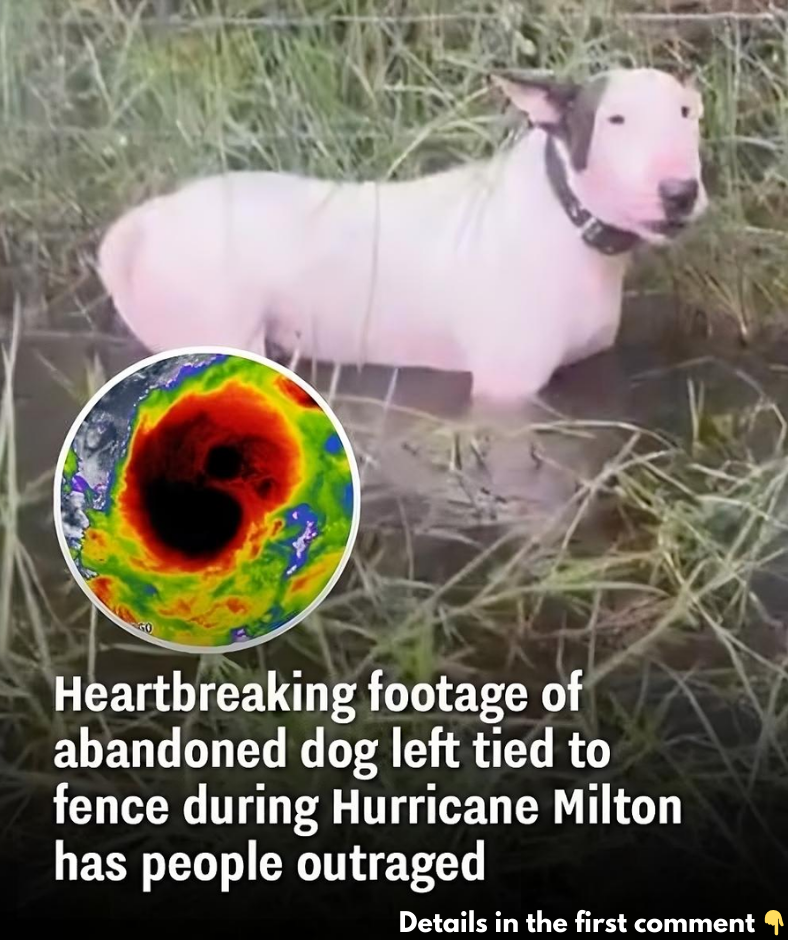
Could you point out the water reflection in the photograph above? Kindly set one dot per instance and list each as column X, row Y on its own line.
column 440, row 478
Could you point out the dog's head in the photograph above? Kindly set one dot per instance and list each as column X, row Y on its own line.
column 631, row 143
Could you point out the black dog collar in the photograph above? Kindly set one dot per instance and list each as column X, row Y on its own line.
column 599, row 235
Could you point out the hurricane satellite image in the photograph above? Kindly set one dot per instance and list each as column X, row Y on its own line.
column 207, row 500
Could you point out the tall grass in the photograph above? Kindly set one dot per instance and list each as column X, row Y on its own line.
column 102, row 104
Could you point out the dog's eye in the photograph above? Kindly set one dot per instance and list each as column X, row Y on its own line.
column 685, row 111
column 616, row 119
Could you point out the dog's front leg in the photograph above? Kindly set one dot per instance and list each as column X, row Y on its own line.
column 507, row 393
column 506, row 380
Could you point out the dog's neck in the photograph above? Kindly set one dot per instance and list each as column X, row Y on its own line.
column 598, row 235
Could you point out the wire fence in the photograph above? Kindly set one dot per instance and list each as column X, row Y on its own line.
column 772, row 15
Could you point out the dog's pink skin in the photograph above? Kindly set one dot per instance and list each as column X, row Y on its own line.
column 476, row 269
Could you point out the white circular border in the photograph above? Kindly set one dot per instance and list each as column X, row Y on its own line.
column 210, row 351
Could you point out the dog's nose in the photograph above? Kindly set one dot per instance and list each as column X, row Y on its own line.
column 678, row 196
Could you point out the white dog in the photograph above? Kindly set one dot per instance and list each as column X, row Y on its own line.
column 507, row 269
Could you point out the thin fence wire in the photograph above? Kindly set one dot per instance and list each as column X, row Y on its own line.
column 771, row 17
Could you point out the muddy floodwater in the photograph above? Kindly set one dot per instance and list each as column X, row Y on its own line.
column 428, row 464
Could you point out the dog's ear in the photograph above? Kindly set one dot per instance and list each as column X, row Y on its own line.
column 687, row 76
column 545, row 102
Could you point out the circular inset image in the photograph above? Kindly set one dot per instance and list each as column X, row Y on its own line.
column 207, row 499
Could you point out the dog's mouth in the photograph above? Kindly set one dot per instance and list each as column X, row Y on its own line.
column 667, row 228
